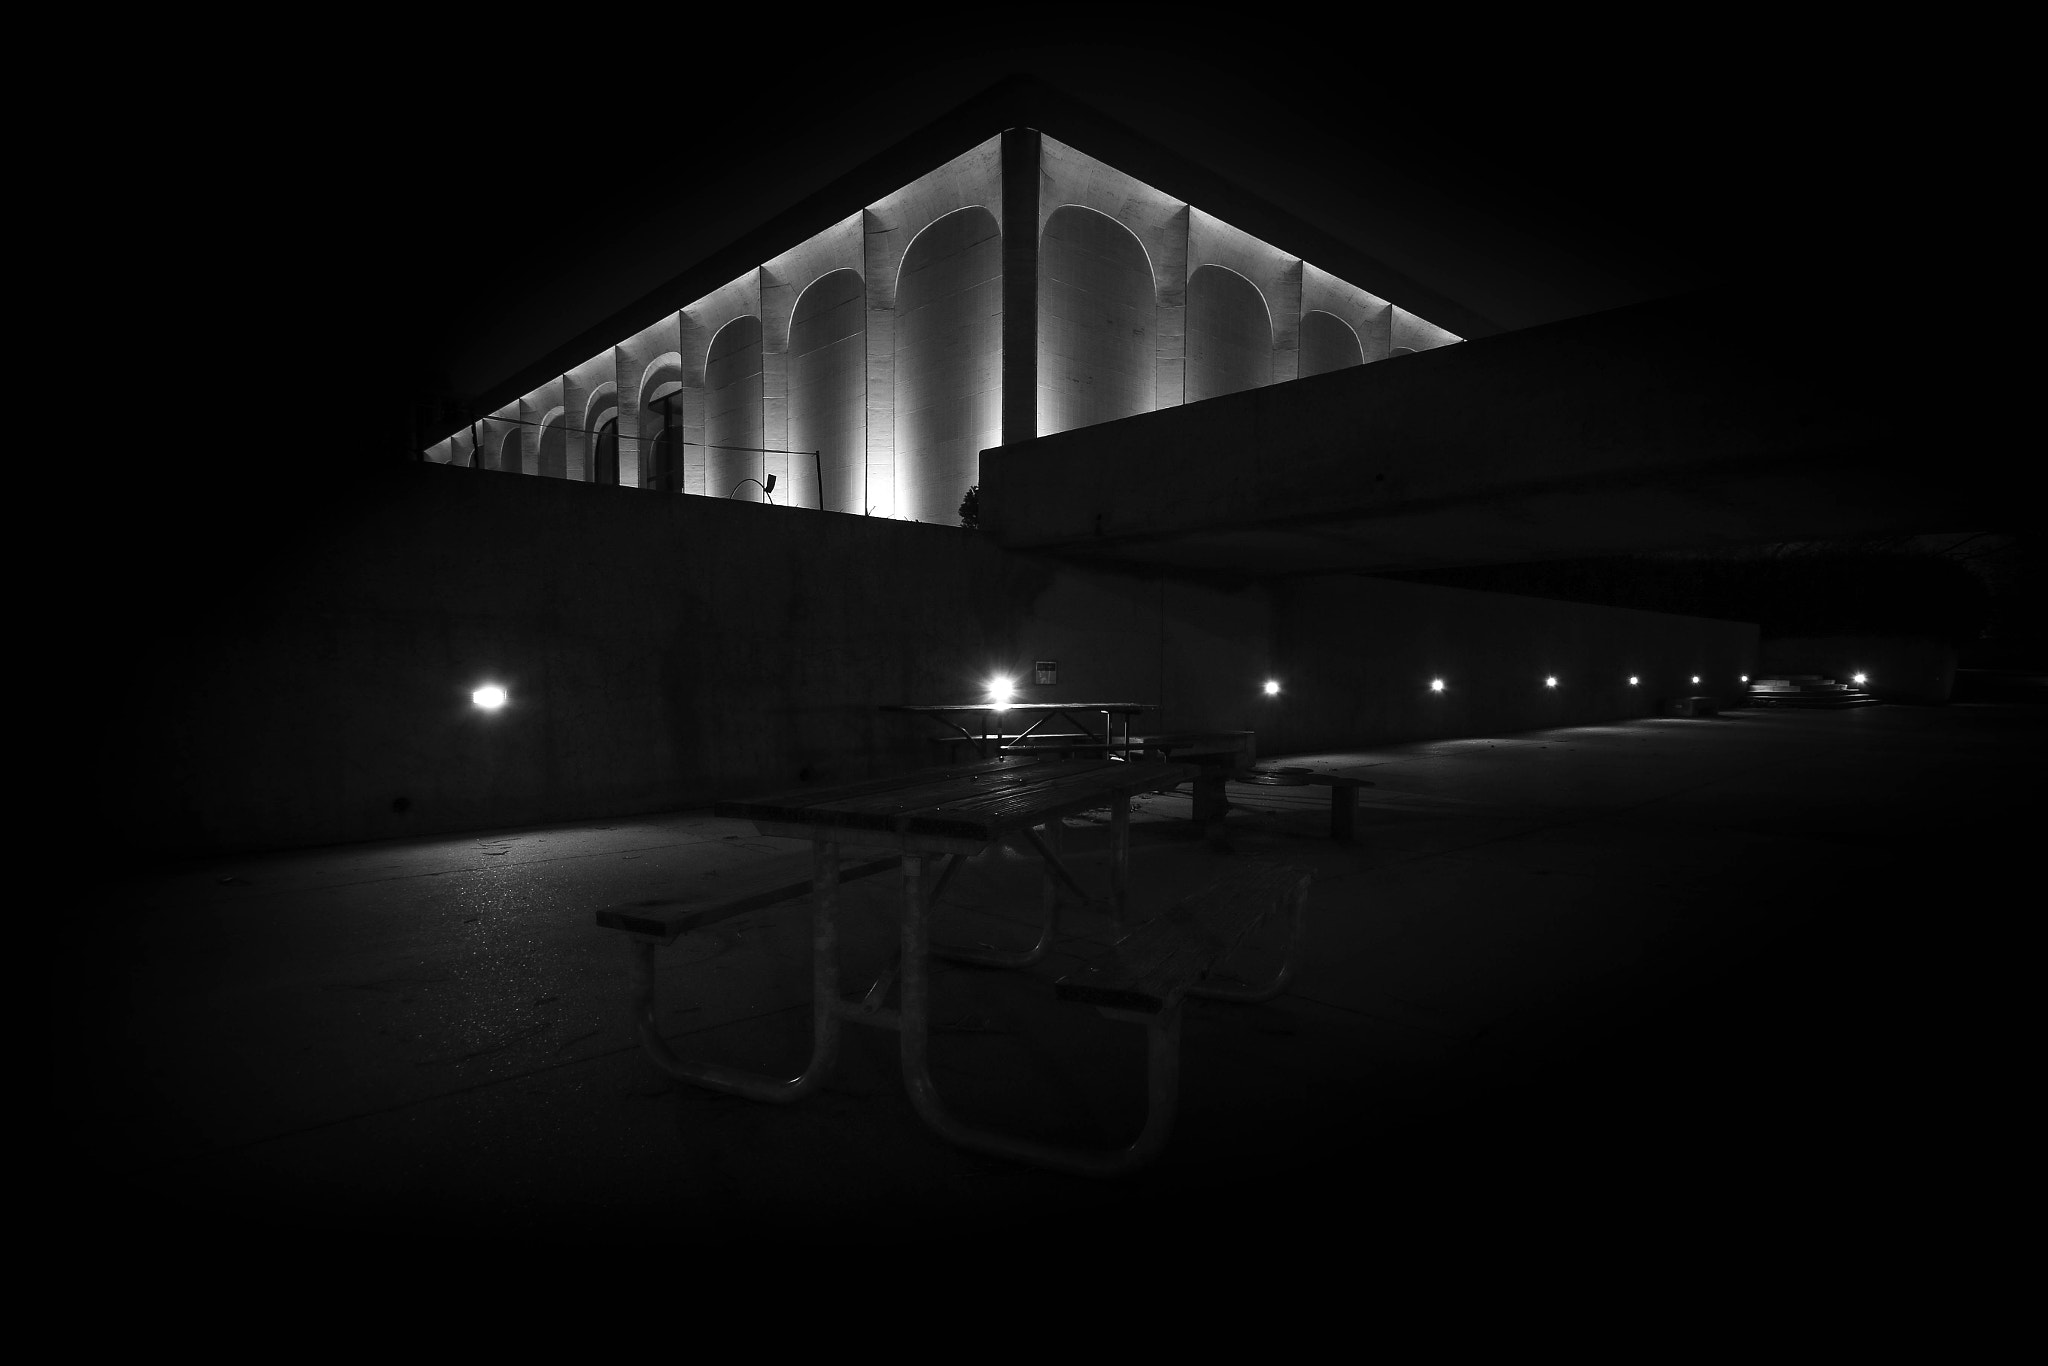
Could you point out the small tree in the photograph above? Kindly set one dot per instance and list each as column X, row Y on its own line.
column 970, row 509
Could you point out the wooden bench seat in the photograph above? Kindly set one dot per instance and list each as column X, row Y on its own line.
column 1220, row 766
column 663, row 918
column 1149, row 970
column 1343, row 792
column 1067, row 745
column 1183, row 745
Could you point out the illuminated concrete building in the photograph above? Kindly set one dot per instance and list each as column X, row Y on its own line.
column 1197, row 441
column 875, row 357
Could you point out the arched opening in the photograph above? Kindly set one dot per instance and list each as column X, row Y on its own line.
column 1328, row 343
column 949, row 362
column 604, row 465
column 509, row 452
column 1230, row 335
column 665, row 452
column 661, row 403
column 551, row 453
column 828, row 390
column 732, row 410
column 1096, row 354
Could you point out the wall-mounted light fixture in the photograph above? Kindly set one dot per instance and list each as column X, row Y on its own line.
column 1745, row 678
column 1860, row 678
column 1633, row 681
column 1272, row 687
column 490, row 697
column 767, row 489
column 1695, row 678
column 1550, row 682
column 1436, row 685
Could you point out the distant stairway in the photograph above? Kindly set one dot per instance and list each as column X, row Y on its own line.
column 1806, row 690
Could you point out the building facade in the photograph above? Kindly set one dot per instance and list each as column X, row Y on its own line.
column 1021, row 289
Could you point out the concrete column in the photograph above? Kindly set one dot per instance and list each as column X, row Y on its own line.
column 1379, row 341
column 777, row 301
column 879, row 256
column 1172, row 318
column 1020, row 285
column 628, row 375
column 575, row 400
column 1286, row 306
column 694, row 345
column 528, row 443
column 579, row 440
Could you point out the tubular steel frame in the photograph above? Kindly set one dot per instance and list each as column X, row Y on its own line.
column 992, row 714
column 911, row 1019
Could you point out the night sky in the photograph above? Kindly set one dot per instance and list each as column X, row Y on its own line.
column 410, row 221
column 412, row 227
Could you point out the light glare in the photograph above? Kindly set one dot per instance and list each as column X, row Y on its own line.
column 1633, row 680
column 1272, row 687
column 1001, row 690
column 490, row 697
column 1861, row 678
column 1436, row 685
column 1550, row 682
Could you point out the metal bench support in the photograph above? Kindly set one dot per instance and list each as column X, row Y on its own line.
column 826, row 1009
column 1162, row 1068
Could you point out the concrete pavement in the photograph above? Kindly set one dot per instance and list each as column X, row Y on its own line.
column 1639, row 972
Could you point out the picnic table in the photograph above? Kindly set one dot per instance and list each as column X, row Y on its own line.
column 992, row 715
column 931, row 821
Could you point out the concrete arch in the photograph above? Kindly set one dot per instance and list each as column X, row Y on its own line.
column 949, row 357
column 657, row 460
column 967, row 223
column 828, row 356
column 604, row 448
column 732, row 408
column 604, row 396
column 511, row 451
column 1328, row 343
column 551, row 444
column 1097, row 328
column 666, row 368
column 1230, row 334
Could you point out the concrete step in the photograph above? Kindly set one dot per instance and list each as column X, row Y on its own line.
column 1813, row 699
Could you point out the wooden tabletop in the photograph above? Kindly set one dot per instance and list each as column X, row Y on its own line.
column 1022, row 706
column 978, row 801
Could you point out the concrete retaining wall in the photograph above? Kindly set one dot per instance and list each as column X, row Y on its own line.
column 1356, row 657
column 663, row 651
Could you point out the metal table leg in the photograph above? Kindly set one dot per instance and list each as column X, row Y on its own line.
column 1343, row 811
column 1297, row 912
column 1049, row 907
column 1120, row 855
column 1162, row 1070
column 826, row 1008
